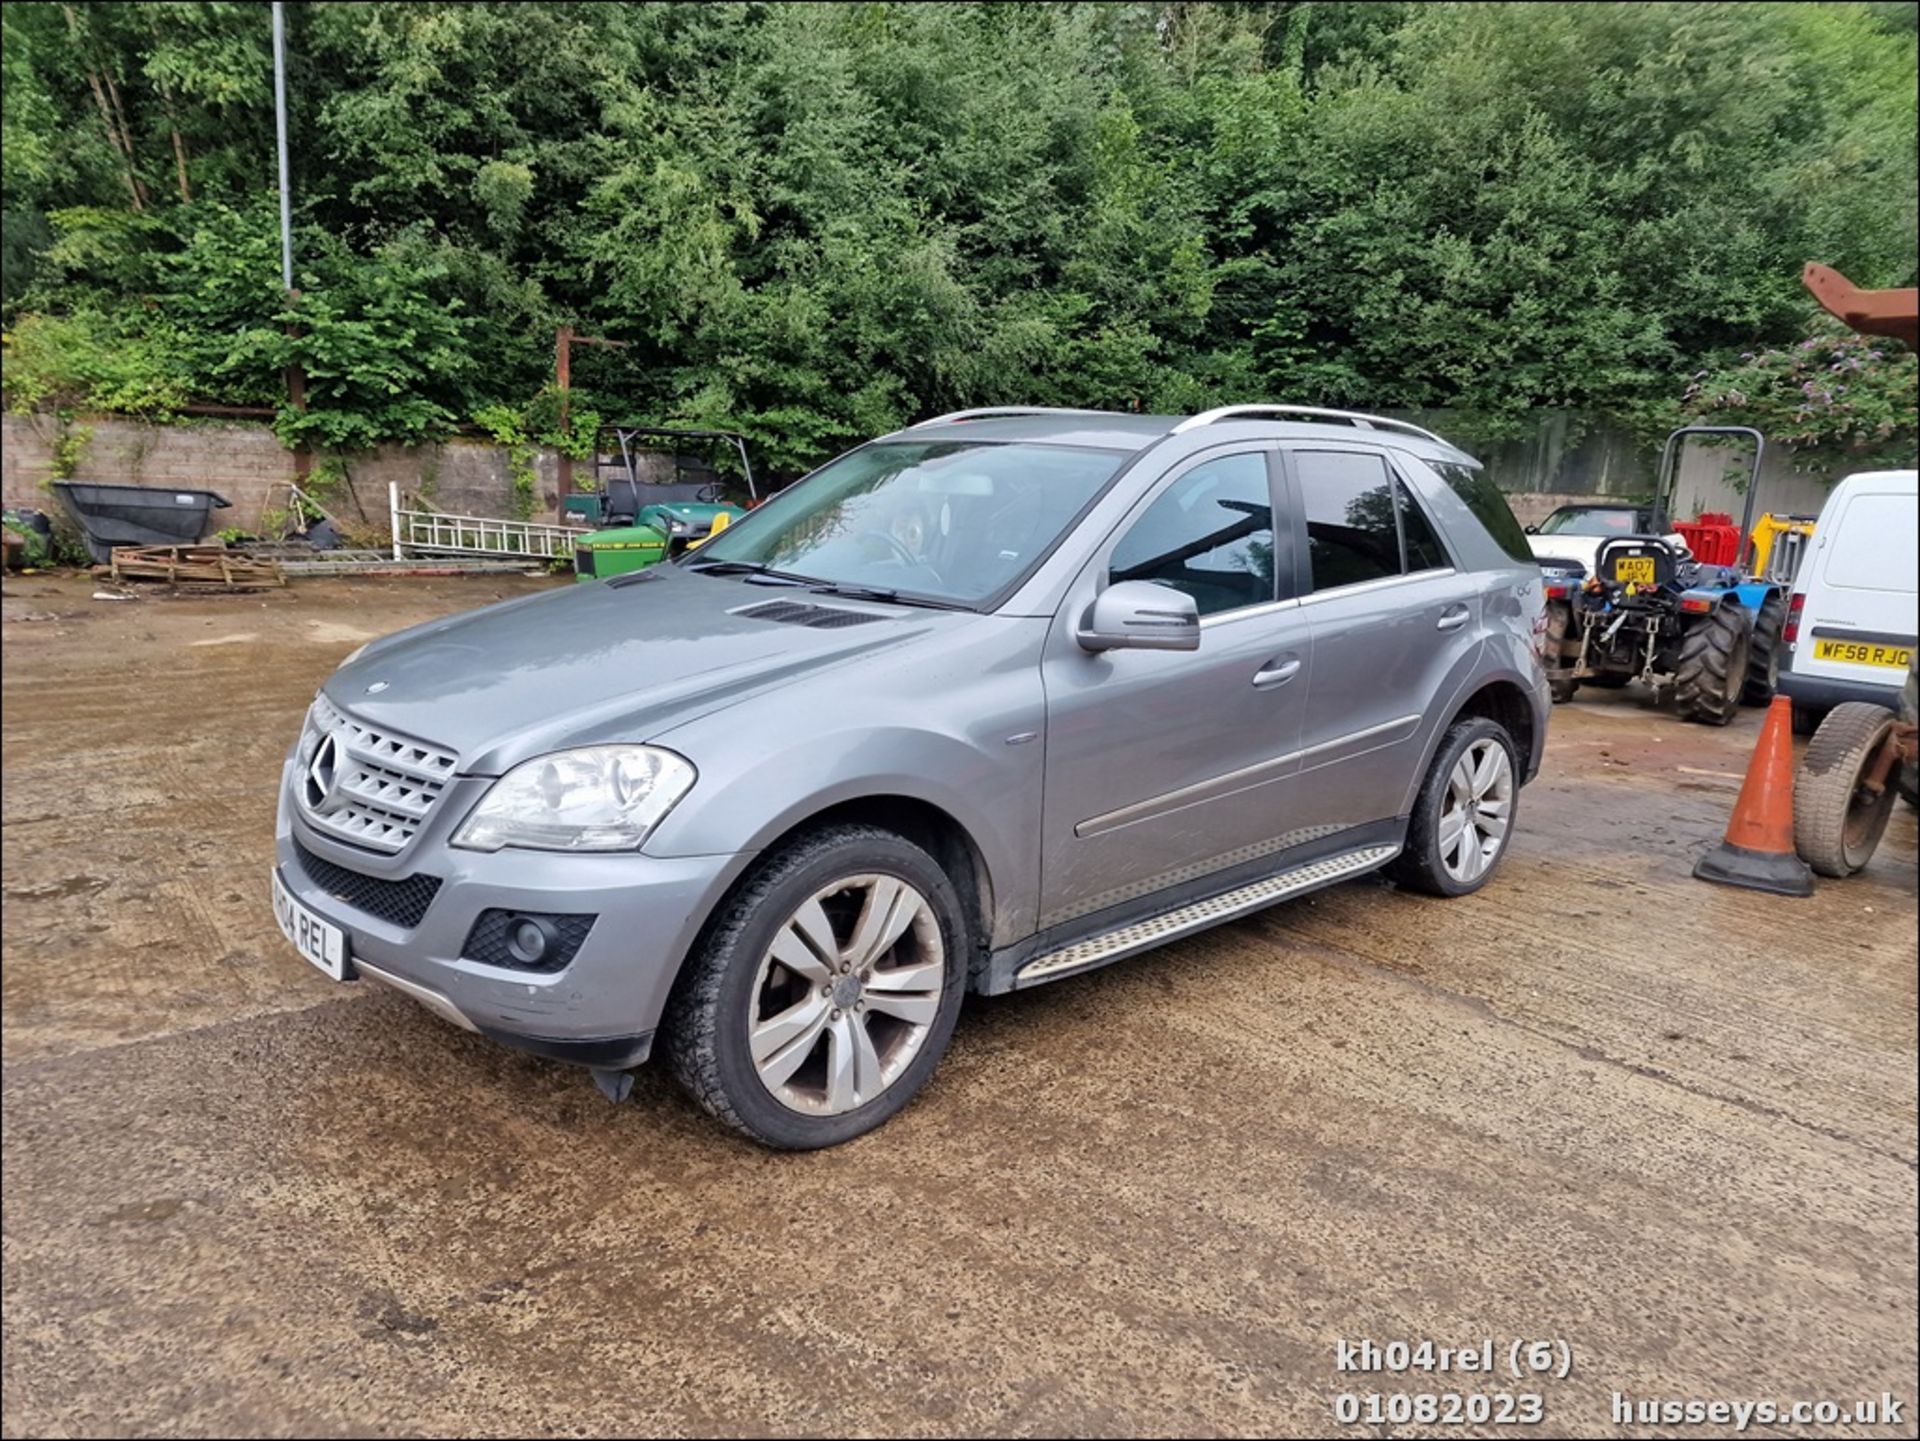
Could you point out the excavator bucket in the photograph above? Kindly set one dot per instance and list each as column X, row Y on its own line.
column 1894, row 313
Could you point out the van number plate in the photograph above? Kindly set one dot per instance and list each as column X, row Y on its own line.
column 1893, row 657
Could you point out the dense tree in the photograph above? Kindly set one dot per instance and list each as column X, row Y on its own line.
column 812, row 222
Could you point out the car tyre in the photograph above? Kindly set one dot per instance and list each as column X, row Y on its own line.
column 769, row 954
column 1475, row 774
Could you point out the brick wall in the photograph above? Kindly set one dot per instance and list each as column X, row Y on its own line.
column 246, row 463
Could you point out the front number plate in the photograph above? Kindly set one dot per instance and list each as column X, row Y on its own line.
column 1637, row 569
column 1893, row 657
column 324, row 945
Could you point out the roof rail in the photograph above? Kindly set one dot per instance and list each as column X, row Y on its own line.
column 985, row 411
column 1352, row 417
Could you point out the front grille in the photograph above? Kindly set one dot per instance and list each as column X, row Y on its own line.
column 389, row 782
column 582, row 560
column 487, row 941
column 820, row 617
column 399, row 903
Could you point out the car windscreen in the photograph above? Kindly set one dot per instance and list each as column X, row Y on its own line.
column 1591, row 520
column 950, row 520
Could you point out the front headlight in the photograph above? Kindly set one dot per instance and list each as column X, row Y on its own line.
column 597, row 798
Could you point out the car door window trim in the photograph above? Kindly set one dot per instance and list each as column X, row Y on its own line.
column 1385, row 582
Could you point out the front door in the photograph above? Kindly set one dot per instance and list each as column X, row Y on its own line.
column 1165, row 766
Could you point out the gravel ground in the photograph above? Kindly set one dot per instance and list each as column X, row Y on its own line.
column 1671, row 1124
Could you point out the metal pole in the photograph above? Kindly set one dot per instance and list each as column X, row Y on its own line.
column 280, row 127
column 563, row 381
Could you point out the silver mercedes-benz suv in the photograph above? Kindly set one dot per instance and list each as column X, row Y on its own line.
column 987, row 702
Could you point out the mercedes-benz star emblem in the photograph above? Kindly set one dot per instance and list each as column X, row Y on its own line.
column 376, row 687
column 319, row 790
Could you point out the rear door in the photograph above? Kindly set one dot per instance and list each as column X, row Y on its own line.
column 1863, row 602
column 1391, row 618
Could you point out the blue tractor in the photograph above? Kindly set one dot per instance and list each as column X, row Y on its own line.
column 1649, row 611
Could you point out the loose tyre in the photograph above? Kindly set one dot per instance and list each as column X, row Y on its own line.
column 1837, row 822
column 1712, row 668
column 1464, row 813
column 1763, row 660
column 825, row 991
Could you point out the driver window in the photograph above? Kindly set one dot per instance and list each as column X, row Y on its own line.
column 1210, row 535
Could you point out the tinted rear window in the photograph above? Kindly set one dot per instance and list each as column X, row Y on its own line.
column 1488, row 505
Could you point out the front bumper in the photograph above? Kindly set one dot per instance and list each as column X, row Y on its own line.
column 601, row 1009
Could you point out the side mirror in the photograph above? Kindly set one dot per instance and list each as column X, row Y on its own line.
column 1139, row 615
column 1531, row 529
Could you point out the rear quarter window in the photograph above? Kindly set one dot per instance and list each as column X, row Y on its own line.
column 1488, row 505
column 1878, row 545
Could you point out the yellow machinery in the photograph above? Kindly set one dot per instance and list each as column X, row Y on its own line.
column 1778, row 544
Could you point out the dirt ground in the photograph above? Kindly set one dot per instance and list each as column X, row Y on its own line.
column 1670, row 1124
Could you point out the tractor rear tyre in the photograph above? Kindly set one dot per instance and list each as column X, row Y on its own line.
column 1837, row 822
column 1763, row 665
column 1712, row 669
column 1560, row 653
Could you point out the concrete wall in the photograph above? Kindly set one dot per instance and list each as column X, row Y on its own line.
column 246, row 463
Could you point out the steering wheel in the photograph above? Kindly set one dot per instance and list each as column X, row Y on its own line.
column 900, row 552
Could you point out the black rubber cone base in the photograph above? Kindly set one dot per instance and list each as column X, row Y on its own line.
column 1782, row 873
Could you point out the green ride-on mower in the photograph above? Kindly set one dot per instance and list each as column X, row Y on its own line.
column 1650, row 612
column 650, row 501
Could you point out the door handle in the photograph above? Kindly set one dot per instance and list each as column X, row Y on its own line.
column 1453, row 617
column 1278, row 671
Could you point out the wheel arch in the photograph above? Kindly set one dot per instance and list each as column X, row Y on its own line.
column 1507, row 703
column 933, row 828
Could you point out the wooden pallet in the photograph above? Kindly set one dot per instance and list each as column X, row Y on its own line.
column 196, row 565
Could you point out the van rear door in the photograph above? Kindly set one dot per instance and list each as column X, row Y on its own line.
column 1862, row 608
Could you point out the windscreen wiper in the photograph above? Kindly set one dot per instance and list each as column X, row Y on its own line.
column 883, row 595
column 746, row 567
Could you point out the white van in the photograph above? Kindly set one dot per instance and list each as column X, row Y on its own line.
column 1854, row 619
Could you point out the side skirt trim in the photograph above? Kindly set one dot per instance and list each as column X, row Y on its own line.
column 1100, row 950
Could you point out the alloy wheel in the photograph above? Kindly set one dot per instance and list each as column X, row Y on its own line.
column 846, row 994
column 1477, row 811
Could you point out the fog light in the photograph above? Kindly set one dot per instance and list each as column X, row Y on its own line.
column 529, row 940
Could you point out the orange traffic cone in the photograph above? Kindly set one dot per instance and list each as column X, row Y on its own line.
column 1758, row 851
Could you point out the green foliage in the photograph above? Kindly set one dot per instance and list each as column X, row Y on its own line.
column 508, row 427
column 813, row 222
column 1840, row 401
column 69, row 449
column 92, row 360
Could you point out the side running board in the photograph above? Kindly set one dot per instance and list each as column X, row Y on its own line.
column 1143, row 935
